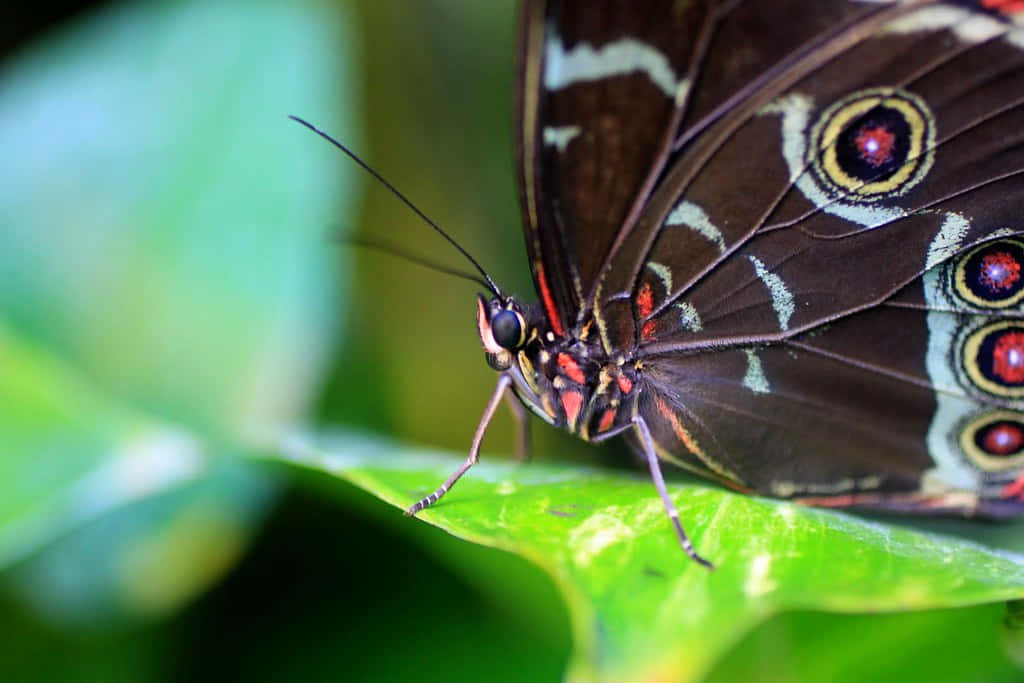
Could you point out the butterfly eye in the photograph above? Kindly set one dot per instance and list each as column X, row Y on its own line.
column 508, row 329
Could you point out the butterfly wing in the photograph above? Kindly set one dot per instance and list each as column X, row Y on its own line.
column 791, row 285
column 600, row 97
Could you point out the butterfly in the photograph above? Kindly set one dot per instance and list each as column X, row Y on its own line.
column 779, row 243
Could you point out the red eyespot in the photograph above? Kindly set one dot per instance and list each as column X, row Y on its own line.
column 992, row 274
column 1008, row 357
column 994, row 441
column 999, row 271
column 875, row 144
column 1002, row 438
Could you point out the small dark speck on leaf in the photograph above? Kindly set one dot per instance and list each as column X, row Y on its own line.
column 564, row 510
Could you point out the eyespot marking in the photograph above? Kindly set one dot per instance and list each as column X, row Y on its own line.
column 990, row 276
column 994, row 441
column 993, row 358
column 873, row 144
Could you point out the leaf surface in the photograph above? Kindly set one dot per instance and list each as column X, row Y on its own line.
column 640, row 609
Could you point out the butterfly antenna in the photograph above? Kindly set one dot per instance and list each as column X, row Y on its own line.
column 487, row 281
column 399, row 252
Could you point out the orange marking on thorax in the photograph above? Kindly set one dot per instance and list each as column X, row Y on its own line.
column 549, row 302
column 625, row 384
column 607, row 420
column 678, row 428
column 572, row 401
column 571, row 368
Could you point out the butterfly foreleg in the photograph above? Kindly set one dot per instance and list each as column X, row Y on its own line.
column 504, row 381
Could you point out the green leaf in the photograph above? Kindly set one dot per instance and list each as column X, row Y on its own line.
column 108, row 512
column 939, row 646
column 163, row 225
column 70, row 454
column 167, row 290
column 640, row 609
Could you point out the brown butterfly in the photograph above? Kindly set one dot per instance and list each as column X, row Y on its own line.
column 779, row 243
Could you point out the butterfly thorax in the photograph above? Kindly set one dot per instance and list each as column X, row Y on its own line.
column 567, row 380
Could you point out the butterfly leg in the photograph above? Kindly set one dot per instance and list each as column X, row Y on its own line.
column 474, row 449
column 659, row 483
column 522, row 417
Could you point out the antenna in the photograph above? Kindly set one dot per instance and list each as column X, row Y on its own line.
column 487, row 281
column 399, row 252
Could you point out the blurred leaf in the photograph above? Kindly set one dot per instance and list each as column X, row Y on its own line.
column 32, row 652
column 69, row 454
column 1012, row 635
column 641, row 610
column 938, row 646
column 157, row 515
column 151, row 556
column 329, row 593
column 162, row 223
column 166, row 291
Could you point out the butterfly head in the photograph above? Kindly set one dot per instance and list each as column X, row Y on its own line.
column 503, row 329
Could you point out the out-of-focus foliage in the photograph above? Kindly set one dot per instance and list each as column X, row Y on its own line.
column 166, row 301
column 172, row 300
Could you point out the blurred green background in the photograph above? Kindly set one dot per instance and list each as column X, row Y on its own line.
column 172, row 296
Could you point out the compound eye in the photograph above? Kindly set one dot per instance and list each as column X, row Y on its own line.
column 508, row 329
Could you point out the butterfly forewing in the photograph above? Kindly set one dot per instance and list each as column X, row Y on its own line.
column 828, row 249
column 602, row 86
column 786, row 279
